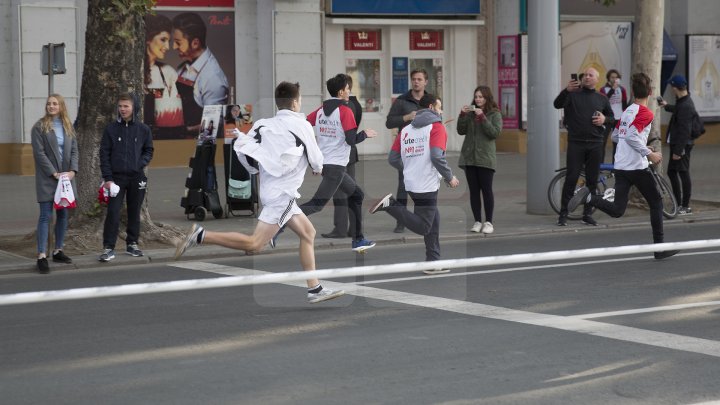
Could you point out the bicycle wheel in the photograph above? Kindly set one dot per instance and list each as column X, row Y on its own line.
column 670, row 207
column 555, row 193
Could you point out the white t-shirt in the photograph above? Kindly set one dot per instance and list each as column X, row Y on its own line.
column 631, row 134
column 414, row 145
column 330, row 131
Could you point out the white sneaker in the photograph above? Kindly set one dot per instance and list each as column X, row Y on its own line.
column 488, row 228
column 189, row 241
column 477, row 227
column 324, row 295
column 436, row 271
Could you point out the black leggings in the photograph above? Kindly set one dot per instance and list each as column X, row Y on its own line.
column 579, row 155
column 480, row 180
column 679, row 174
column 645, row 183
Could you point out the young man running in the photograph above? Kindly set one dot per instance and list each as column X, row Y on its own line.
column 336, row 131
column 631, row 164
column 283, row 146
column 419, row 152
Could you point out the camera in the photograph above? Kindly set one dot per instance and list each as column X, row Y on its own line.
column 472, row 107
column 659, row 99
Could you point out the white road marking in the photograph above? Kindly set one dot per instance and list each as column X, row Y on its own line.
column 522, row 268
column 571, row 324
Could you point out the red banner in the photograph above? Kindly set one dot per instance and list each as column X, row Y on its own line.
column 426, row 40
column 365, row 40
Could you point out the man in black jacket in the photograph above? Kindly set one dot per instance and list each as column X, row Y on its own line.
column 401, row 114
column 681, row 142
column 126, row 148
column 587, row 113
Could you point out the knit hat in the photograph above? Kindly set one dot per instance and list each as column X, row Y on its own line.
column 678, row 81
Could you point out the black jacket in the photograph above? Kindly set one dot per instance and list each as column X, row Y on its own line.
column 404, row 104
column 125, row 148
column 680, row 124
column 579, row 108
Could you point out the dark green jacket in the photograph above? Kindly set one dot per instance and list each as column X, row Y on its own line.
column 478, row 148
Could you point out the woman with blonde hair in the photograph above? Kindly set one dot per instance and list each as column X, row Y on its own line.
column 481, row 123
column 55, row 151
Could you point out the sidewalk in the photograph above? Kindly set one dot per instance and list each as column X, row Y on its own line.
column 166, row 186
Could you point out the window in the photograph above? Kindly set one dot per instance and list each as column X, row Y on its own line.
column 366, row 82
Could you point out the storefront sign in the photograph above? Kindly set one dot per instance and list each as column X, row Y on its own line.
column 404, row 7
column 194, row 3
column 365, row 40
column 426, row 40
column 508, row 80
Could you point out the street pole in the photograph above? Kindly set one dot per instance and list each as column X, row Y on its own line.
column 51, row 85
column 543, row 151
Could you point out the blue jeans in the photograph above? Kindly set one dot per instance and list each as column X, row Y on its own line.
column 46, row 209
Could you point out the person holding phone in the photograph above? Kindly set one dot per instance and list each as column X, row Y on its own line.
column 480, row 123
column 587, row 114
column 617, row 95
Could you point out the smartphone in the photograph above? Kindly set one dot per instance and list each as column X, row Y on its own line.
column 659, row 99
column 573, row 76
column 472, row 107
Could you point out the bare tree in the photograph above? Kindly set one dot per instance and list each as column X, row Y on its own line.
column 114, row 51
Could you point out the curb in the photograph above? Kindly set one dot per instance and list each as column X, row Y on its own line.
column 26, row 265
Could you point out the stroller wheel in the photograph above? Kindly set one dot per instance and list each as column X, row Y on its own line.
column 200, row 213
column 218, row 213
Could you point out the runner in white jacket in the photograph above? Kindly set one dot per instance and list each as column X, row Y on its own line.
column 283, row 146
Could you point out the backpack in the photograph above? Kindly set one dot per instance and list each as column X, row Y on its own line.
column 698, row 127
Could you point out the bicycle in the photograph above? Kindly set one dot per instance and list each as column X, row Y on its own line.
column 606, row 188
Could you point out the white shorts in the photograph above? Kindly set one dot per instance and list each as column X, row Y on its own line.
column 279, row 211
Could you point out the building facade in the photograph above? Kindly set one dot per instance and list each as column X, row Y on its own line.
column 460, row 43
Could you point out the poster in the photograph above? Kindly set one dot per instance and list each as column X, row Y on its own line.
column 237, row 116
column 704, row 74
column 508, row 80
column 600, row 45
column 210, row 122
column 189, row 64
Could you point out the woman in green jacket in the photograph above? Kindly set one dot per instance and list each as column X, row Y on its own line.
column 481, row 123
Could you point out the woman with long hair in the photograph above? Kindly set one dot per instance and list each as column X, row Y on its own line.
column 163, row 105
column 481, row 123
column 55, row 150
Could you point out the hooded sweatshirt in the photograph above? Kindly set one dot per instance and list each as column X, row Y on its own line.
column 336, row 131
column 419, row 151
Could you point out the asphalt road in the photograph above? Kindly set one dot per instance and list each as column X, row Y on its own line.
column 595, row 331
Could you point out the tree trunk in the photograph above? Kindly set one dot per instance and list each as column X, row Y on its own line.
column 114, row 51
column 647, row 58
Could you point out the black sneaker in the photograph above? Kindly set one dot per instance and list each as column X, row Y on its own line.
column 580, row 197
column 588, row 220
column 133, row 250
column 60, row 257
column 562, row 220
column 399, row 228
column 665, row 254
column 42, row 266
column 382, row 204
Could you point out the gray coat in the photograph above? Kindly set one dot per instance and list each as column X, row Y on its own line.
column 47, row 161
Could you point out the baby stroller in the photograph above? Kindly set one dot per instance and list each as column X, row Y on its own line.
column 240, row 185
column 201, row 193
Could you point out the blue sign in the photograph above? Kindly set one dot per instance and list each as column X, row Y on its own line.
column 406, row 7
column 399, row 75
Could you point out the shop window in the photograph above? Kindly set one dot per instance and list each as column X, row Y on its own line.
column 434, row 68
column 366, row 82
